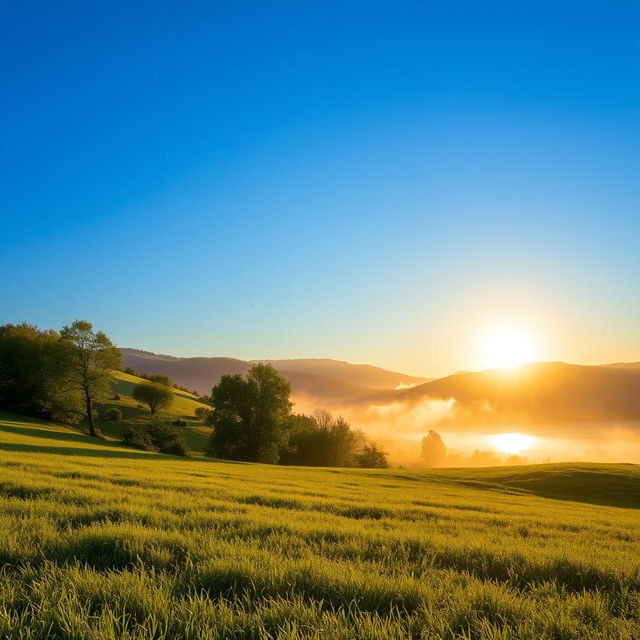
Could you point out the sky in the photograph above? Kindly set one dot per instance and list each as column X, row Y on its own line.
column 371, row 182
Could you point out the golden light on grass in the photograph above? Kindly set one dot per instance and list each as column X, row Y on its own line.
column 507, row 346
column 512, row 443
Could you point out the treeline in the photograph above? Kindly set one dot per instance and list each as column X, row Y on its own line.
column 58, row 375
column 252, row 420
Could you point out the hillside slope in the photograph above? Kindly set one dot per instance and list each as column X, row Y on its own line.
column 102, row 542
column 546, row 392
column 195, row 433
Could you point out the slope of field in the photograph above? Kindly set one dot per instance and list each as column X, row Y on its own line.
column 184, row 405
column 97, row 541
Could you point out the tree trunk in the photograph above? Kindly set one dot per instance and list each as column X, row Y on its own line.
column 92, row 429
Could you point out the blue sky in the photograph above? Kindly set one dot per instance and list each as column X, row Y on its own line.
column 374, row 182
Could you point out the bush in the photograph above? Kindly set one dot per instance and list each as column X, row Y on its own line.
column 116, row 396
column 202, row 413
column 137, row 438
column 158, row 436
column 113, row 415
column 179, row 423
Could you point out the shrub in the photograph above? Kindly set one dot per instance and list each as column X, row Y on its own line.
column 136, row 438
column 202, row 413
column 179, row 423
column 113, row 415
column 158, row 436
column 116, row 396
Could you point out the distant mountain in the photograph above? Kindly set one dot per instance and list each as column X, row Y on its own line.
column 323, row 380
column 544, row 392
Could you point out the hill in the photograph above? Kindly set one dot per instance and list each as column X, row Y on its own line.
column 183, row 408
column 323, row 380
column 545, row 392
column 97, row 541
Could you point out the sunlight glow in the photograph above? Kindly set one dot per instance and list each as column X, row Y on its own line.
column 512, row 443
column 507, row 346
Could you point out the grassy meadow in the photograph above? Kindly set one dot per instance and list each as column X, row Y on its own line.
column 101, row 541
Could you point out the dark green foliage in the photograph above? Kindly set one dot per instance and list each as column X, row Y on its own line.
column 161, row 379
column 166, row 438
column 154, row 395
column 321, row 441
column 251, row 416
column 130, row 371
column 372, row 457
column 113, row 415
column 179, row 422
column 202, row 413
column 33, row 376
column 158, row 436
column 137, row 438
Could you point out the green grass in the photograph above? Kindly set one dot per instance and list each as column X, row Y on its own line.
column 100, row 541
column 184, row 405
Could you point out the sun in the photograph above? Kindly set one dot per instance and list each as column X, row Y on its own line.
column 507, row 346
column 512, row 443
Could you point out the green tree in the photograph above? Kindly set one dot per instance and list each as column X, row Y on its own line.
column 154, row 395
column 372, row 456
column 251, row 416
column 89, row 359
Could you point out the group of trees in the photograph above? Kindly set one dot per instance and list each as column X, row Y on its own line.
column 252, row 420
column 60, row 375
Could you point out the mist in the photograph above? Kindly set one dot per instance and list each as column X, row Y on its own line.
column 469, row 433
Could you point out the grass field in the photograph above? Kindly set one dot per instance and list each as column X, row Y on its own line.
column 100, row 541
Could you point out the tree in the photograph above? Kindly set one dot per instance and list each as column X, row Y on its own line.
column 251, row 416
column 434, row 450
column 160, row 378
column 372, row 456
column 154, row 395
column 89, row 358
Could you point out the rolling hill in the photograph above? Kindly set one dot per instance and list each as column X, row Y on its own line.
column 322, row 380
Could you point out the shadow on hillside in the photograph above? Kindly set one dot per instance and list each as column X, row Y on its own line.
column 607, row 490
column 100, row 447
column 74, row 451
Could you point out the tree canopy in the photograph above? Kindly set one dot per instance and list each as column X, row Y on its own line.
column 89, row 358
column 251, row 417
column 154, row 394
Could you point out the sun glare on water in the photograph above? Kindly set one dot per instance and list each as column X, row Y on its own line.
column 507, row 347
column 512, row 443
